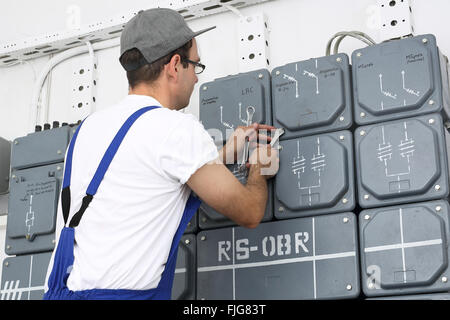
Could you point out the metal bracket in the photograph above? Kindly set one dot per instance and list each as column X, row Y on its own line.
column 395, row 19
column 84, row 83
column 25, row 49
column 253, row 43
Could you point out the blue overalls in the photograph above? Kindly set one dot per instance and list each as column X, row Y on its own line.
column 63, row 259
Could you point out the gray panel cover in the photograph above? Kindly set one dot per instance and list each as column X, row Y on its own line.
column 23, row 277
column 40, row 148
column 401, row 161
column 315, row 176
column 224, row 101
column 404, row 249
column 32, row 209
column 398, row 79
column 305, row 258
column 184, row 282
column 312, row 96
column 210, row 218
column 5, row 156
column 433, row 296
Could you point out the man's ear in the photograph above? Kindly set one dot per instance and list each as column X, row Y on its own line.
column 173, row 66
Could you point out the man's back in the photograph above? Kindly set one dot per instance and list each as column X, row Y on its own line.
column 124, row 237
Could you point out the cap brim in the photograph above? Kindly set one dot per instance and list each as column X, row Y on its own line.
column 203, row 31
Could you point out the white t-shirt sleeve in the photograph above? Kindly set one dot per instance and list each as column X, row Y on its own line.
column 187, row 148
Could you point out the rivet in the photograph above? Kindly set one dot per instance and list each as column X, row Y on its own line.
column 431, row 121
column 424, row 40
column 260, row 76
column 341, row 137
column 437, row 187
column 58, row 168
column 187, row 241
column 366, row 217
column 8, row 247
column 438, row 208
column 366, row 197
column 349, row 287
column 203, row 238
column 362, row 133
column 339, row 59
column 362, row 114
column 59, row 152
column 431, row 102
column 341, row 118
column 359, row 54
column 444, row 279
column 205, row 88
column 281, row 209
column 344, row 200
column 6, row 263
column 345, row 220
column 277, row 73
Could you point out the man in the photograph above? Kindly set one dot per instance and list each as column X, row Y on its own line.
column 130, row 170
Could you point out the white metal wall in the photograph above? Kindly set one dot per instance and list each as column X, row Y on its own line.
column 299, row 30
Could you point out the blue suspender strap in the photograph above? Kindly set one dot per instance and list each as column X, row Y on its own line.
column 105, row 162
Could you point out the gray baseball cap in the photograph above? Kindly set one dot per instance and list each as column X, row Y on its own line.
column 155, row 33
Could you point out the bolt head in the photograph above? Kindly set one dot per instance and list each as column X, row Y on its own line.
column 59, row 152
column 277, row 73
column 260, row 76
column 362, row 114
column 203, row 219
column 6, row 263
column 431, row 121
column 53, row 241
column 366, row 197
column 344, row 200
column 366, row 217
column 339, row 59
column 438, row 208
column 187, row 241
column 424, row 40
column 362, row 133
column 341, row 118
column 431, row 102
column 444, row 279
column 281, row 209
column 16, row 142
column 205, row 88
column 349, row 287
column 359, row 54
column 341, row 137
column 203, row 238
column 345, row 220
column 437, row 187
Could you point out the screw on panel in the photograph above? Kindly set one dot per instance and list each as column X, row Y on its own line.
column 345, row 220
column 359, row 54
column 6, row 264
column 187, row 241
column 341, row 137
column 58, row 168
column 341, row 118
column 8, row 247
column 371, row 286
column 203, row 238
column 59, row 152
column 260, row 76
column 277, row 73
column 431, row 121
column 281, row 209
column 366, row 217
column 280, row 147
column 437, row 187
column 344, row 200
column 349, row 287
column 339, row 59
column 424, row 40
column 366, row 197
column 444, row 279
column 362, row 133
column 362, row 114
column 203, row 219
column 205, row 88
column 431, row 102
column 16, row 142
column 438, row 208
column 53, row 241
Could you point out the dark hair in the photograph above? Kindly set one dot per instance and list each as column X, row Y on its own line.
column 150, row 72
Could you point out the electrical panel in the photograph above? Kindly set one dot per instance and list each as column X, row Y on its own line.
column 32, row 206
column 315, row 176
column 40, row 148
column 226, row 102
column 185, row 270
column 210, row 218
column 312, row 96
column 405, row 249
column 305, row 258
column 398, row 79
column 402, row 161
column 5, row 157
column 23, row 277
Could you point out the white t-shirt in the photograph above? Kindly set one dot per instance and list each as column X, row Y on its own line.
column 125, row 235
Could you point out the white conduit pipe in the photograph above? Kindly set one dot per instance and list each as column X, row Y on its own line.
column 34, row 110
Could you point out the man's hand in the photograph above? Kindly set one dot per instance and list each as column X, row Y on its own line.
column 235, row 145
column 264, row 159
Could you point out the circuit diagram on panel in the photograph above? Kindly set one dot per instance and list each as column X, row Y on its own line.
column 242, row 112
column 386, row 152
column 309, row 173
column 395, row 103
column 309, row 74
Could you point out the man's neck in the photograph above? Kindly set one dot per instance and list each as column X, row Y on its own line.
column 151, row 92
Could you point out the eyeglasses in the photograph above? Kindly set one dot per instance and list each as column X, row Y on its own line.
column 198, row 67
